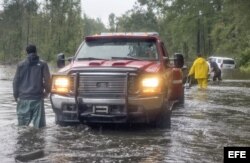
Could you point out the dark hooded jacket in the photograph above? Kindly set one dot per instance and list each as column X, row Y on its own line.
column 215, row 68
column 32, row 79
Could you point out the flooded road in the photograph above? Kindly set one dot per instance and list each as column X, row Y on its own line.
column 208, row 121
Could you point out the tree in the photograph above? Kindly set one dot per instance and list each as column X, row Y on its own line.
column 138, row 19
column 92, row 26
column 54, row 26
column 12, row 28
column 112, row 22
column 186, row 25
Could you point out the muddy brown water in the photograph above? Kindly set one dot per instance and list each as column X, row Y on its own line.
column 201, row 128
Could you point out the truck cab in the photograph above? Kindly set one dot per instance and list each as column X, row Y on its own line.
column 117, row 78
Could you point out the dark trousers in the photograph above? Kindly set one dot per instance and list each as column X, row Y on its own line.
column 31, row 110
column 217, row 75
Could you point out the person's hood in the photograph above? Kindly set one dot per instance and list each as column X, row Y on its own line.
column 200, row 60
column 33, row 58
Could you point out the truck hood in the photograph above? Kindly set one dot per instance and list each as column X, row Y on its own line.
column 146, row 66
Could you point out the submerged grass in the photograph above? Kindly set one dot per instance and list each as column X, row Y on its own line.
column 245, row 68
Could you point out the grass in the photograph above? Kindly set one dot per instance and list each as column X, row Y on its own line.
column 245, row 68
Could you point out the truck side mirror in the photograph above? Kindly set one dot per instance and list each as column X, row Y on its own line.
column 178, row 60
column 60, row 60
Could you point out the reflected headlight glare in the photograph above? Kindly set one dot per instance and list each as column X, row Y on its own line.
column 61, row 85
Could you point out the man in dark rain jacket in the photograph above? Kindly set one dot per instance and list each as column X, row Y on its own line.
column 216, row 70
column 31, row 85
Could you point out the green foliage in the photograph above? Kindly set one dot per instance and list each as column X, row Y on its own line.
column 178, row 21
column 212, row 27
column 139, row 20
column 244, row 60
column 92, row 26
column 231, row 32
column 246, row 67
column 112, row 22
column 54, row 26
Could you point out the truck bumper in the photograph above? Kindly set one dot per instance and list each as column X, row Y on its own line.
column 94, row 110
column 64, row 108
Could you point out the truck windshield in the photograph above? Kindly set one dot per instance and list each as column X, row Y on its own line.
column 112, row 49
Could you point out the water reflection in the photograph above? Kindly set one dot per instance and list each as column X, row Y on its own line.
column 30, row 144
column 199, row 95
column 123, row 145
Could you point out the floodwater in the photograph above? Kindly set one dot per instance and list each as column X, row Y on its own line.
column 201, row 128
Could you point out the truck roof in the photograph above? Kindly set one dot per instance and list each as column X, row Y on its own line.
column 154, row 35
column 131, row 33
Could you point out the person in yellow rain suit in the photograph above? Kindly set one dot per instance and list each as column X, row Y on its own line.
column 200, row 69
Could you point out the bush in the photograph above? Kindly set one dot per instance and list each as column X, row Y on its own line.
column 245, row 68
column 245, row 58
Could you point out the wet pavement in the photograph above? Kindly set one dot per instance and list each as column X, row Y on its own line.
column 201, row 128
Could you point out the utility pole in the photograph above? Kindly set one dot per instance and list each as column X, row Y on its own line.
column 116, row 25
column 203, row 28
column 198, row 50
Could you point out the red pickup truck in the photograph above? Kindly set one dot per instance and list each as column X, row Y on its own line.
column 118, row 78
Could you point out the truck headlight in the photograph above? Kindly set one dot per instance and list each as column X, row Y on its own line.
column 151, row 84
column 60, row 84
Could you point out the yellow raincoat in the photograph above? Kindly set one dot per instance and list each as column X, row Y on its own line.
column 200, row 70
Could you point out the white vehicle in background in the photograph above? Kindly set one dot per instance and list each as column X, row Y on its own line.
column 223, row 62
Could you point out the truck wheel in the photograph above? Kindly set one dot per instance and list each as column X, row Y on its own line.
column 164, row 118
column 182, row 97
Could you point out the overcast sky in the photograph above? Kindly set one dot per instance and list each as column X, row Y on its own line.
column 103, row 8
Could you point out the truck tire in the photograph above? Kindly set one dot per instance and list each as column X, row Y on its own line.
column 164, row 118
column 182, row 97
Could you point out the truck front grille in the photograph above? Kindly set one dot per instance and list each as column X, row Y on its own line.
column 102, row 85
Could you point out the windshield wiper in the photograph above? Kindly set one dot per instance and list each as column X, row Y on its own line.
column 126, row 58
column 90, row 58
